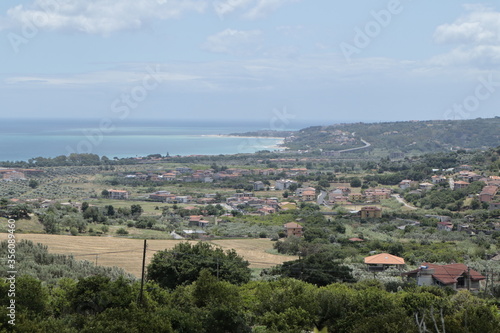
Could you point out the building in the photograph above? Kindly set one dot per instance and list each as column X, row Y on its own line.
column 405, row 183
column 309, row 195
column 118, row 194
column 460, row 184
column 258, row 186
column 284, row 184
column 438, row 179
column 293, row 229
column 446, row 226
column 494, row 206
column 378, row 194
column 381, row 261
column 369, row 212
column 425, row 186
column 488, row 193
column 456, row 276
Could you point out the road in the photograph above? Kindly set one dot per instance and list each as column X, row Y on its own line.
column 401, row 200
column 367, row 144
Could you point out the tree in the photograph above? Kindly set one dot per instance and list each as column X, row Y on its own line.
column 33, row 183
column 320, row 269
column 183, row 264
column 355, row 182
column 136, row 210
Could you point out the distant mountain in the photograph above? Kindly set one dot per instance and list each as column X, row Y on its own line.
column 403, row 136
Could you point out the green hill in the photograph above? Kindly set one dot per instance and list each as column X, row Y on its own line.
column 403, row 136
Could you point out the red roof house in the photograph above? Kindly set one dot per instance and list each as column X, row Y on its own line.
column 457, row 276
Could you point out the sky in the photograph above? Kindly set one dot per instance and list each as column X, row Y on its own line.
column 320, row 61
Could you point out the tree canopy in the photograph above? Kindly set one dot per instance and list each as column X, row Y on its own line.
column 183, row 264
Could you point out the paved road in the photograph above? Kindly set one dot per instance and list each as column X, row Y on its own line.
column 399, row 199
column 367, row 144
column 321, row 198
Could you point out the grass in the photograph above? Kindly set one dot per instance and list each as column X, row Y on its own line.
column 127, row 253
column 32, row 225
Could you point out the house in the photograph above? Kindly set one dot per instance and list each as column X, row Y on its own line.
column 456, row 276
column 446, row 226
column 194, row 220
column 189, row 233
column 258, row 186
column 381, row 261
column 378, row 194
column 293, row 229
column 371, row 212
column 488, row 193
column 405, row 183
column 309, row 195
column 460, row 184
column 161, row 196
column 494, row 206
column 425, row 186
column 284, row 184
column 438, row 179
column 118, row 194
column 356, row 196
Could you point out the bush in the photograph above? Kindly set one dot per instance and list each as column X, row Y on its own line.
column 122, row 231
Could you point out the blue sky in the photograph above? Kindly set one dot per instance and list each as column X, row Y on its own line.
column 322, row 61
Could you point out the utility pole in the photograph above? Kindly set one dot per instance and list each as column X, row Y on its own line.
column 142, row 278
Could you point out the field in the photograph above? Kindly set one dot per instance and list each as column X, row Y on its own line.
column 127, row 253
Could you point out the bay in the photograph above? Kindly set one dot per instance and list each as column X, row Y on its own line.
column 22, row 139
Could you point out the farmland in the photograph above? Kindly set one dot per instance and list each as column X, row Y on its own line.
column 127, row 253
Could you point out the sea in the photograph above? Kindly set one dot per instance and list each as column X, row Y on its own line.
column 24, row 139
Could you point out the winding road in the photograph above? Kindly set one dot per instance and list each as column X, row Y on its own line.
column 401, row 200
column 367, row 144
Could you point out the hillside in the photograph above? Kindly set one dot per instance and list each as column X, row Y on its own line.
column 407, row 136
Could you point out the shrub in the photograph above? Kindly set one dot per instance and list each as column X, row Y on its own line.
column 122, row 231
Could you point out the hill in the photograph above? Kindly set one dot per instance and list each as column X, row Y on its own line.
column 403, row 136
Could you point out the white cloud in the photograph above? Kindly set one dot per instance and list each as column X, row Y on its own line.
column 228, row 6
column 264, row 7
column 96, row 17
column 124, row 77
column 477, row 36
column 252, row 9
column 234, row 42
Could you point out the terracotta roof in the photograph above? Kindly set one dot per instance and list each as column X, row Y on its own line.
column 355, row 239
column 384, row 258
column 489, row 190
column 449, row 274
column 292, row 225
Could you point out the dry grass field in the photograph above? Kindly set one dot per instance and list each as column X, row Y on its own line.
column 127, row 253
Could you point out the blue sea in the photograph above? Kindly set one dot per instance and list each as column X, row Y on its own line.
column 22, row 139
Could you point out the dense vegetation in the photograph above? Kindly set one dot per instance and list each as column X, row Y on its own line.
column 408, row 136
column 98, row 304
